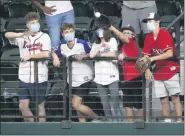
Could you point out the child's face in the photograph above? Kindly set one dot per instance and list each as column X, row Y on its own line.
column 128, row 33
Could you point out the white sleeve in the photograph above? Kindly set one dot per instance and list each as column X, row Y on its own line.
column 46, row 42
column 16, row 41
column 113, row 44
column 93, row 46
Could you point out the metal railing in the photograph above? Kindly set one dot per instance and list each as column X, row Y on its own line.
column 55, row 104
column 67, row 112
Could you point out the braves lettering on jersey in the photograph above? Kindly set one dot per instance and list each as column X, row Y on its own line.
column 164, row 69
column 30, row 46
column 82, row 72
column 106, row 72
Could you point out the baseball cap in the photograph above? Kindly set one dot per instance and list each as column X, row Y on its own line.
column 128, row 27
column 152, row 16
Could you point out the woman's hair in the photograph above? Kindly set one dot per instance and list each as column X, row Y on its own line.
column 107, row 35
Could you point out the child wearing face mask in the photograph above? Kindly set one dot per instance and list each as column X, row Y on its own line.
column 107, row 74
column 132, row 85
column 33, row 44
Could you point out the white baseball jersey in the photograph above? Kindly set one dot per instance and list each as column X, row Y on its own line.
column 30, row 46
column 106, row 72
column 82, row 72
column 60, row 6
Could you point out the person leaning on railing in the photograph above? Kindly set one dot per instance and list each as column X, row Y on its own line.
column 159, row 46
column 82, row 71
column 33, row 44
column 106, row 73
column 132, row 85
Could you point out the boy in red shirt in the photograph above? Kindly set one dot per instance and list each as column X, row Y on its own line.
column 132, row 86
column 159, row 46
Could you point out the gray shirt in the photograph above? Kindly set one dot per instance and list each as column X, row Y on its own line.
column 138, row 4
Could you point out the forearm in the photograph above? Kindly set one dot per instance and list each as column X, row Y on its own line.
column 41, row 55
column 109, row 54
column 53, row 54
column 163, row 56
column 12, row 35
column 37, row 4
column 94, row 52
column 119, row 34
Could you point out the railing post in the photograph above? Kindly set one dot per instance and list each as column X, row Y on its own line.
column 70, row 87
column 150, row 102
column 143, row 97
column 36, row 86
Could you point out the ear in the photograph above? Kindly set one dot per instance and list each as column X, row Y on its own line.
column 62, row 33
column 27, row 25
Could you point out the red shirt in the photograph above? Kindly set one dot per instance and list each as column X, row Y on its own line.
column 129, row 70
column 164, row 69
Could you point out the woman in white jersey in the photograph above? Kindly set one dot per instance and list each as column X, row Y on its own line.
column 106, row 73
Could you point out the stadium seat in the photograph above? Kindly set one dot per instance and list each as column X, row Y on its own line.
column 16, row 9
column 82, row 26
column 166, row 20
column 16, row 25
column 82, row 8
column 166, row 8
column 107, row 7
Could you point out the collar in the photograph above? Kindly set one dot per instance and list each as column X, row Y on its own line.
column 39, row 34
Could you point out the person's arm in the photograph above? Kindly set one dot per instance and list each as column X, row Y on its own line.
column 13, row 35
column 38, row 4
column 113, row 49
column 109, row 54
column 94, row 51
column 45, row 9
column 119, row 34
column 165, row 55
column 42, row 55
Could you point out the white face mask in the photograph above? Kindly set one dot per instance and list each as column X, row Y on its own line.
column 151, row 26
column 100, row 33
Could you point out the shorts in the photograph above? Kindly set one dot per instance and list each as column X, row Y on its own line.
column 82, row 90
column 134, row 17
column 132, row 93
column 168, row 87
column 27, row 91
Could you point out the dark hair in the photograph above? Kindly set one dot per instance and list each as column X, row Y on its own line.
column 66, row 26
column 107, row 35
column 32, row 16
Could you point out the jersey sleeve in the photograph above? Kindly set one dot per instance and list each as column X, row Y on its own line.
column 146, row 49
column 87, row 47
column 58, row 51
column 16, row 41
column 166, row 41
column 46, row 43
column 113, row 45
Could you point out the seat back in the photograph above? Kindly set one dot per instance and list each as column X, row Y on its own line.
column 17, row 25
column 106, row 7
column 166, row 8
column 82, row 26
column 18, row 9
column 166, row 20
column 82, row 8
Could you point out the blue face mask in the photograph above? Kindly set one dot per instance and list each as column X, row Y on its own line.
column 35, row 28
column 69, row 37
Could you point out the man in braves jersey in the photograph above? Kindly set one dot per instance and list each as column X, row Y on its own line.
column 159, row 46
column 33, row 44
column 82, row 72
